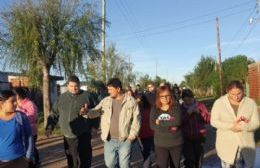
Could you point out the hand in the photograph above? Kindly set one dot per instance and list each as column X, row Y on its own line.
column 190, row 110
column 48, row 133
column 84, row 110
column 173, row 129
column 129, row 140
column 236, row 127
column 242, row 118
column 193, row 110
column 157, row 122
column 94, row 131
column 197, row 110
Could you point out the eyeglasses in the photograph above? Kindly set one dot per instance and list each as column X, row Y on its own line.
column 165, row 96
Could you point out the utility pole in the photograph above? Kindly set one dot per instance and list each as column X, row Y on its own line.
column 103, row 41
column 219, row 58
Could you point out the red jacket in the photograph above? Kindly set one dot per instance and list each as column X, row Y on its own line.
column 145, row 131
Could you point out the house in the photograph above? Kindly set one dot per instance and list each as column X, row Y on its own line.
column 9, row 80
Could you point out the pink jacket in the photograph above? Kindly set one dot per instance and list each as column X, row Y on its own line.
column 30, row 110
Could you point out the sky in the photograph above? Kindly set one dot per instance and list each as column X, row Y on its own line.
column 168, row 37
column 172, row 35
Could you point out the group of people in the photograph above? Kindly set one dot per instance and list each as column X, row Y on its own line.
column 154, row 119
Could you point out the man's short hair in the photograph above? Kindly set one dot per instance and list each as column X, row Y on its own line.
column 115, row 82
column 151, row 83
column 73, row 78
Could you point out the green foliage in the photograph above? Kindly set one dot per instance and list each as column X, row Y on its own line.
column 203, row 71
column 235, row 68
column 57, row 34
column 117, row 66
column 199, row 78
column 206, row 73
column 158, row 80
column 144, row 80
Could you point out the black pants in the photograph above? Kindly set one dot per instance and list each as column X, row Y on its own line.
column 148, row 149
column 36, row 153
column 193, row 153
column 163, row 154
column 78, row 151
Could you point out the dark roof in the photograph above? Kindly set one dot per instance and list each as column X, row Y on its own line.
column 53, row 77
column 3, row 82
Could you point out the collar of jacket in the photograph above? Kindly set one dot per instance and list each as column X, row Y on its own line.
column 125, row 99
column 72, row 95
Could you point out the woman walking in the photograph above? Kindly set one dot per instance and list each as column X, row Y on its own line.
column 165, row 120
column 194, row 118
column 16, row 141
column 146, row 134
column 236, row 118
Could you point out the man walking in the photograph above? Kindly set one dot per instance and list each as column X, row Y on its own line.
column 151, row 93
column 120, row 124
column 75, row 128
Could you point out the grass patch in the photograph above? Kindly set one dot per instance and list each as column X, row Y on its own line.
column 41, row 128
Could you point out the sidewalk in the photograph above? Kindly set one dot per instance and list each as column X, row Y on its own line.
column 214, row 162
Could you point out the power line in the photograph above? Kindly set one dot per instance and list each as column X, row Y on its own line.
column 250, row 30
column 125, row 14
column 182, row 27
column 242, row 27
column 243, row 40
column 245, row 23
column 190, row 19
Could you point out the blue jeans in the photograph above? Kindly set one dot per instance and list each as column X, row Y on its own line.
column 117, row 153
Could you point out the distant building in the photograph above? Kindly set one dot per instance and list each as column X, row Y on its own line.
column 254, row 81
column 9, row 80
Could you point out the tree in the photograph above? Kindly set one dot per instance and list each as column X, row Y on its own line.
column 200, row 80
column 144, row 80
column 117, row 66
column 203, row 71
column 235, row 68
column 158, row 80
column 37, row 36
column 205, row 74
